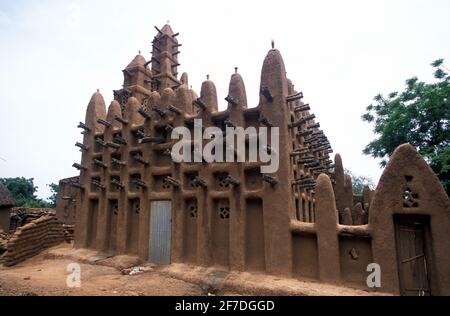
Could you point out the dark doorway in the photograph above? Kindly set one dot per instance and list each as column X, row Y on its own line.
column 412, row 243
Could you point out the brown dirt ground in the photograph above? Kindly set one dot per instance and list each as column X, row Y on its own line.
column 46, row 274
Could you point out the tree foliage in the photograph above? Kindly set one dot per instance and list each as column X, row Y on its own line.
column 24, row 192
column 52, row 199
column 359, row 182
column 420, row 116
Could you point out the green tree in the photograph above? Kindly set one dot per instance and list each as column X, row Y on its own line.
column 24, row 192
column 359, row 182
column 420, row 116
column 52, row 199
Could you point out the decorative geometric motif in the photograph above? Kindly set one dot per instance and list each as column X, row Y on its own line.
column 137, row 208
column 410, row 199
column 193, row 211
column 192, row 184
column 221, row 180
column 224, row 212
column 166, row 185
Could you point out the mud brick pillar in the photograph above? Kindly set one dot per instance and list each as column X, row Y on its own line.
column 96, row 109
column 276, row 220
column 327, row 233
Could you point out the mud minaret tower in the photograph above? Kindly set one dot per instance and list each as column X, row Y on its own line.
column 165, row 59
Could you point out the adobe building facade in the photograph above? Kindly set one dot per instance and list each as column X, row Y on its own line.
column 301, row 221
column 67, row 198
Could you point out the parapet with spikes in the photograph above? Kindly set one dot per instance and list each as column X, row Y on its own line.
column 237, row 91
column 208, row 95
column 95, row 110
column 114, row 111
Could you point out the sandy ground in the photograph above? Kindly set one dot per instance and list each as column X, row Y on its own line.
column 48, row 277
column 46, row 274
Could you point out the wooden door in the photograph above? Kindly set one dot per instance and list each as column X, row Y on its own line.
column 412, row 256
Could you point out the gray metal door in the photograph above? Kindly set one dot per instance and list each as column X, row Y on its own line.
column 160, row 232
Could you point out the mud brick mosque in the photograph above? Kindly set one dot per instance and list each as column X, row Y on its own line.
column 302, row 221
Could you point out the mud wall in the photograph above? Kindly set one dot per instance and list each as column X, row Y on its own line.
column 326, row 250
column 409, row 191
column 31, row 239
column 412, row 258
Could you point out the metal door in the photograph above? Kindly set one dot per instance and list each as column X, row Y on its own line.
column 160, row 232
column 411, row 256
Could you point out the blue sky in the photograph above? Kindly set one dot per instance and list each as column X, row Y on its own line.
column 55, row 54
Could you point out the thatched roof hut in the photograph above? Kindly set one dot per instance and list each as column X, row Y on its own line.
column 6, row 198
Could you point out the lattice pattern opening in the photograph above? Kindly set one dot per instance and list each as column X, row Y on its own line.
column 224, row 212
column 137, row 207
column 193, row 211
column 166, row 185
column 220, row 180
column 190, row 184
column 410, row 199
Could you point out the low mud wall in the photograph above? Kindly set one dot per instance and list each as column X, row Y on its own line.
column 31, row 239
